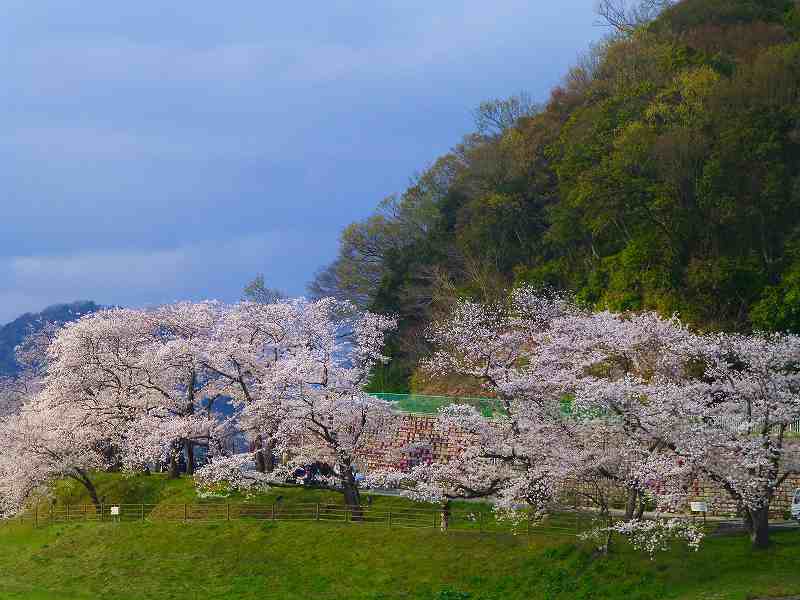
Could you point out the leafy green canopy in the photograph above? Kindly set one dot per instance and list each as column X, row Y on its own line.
column 664, row 173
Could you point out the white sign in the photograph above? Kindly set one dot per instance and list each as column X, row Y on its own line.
column 115, row 511
column 700, row 507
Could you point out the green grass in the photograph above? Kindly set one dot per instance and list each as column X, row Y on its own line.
column 429, row 405
column 293, row 561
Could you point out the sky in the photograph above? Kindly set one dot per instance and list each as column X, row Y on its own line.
column 161, row 151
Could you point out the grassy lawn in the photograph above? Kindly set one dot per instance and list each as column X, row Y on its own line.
column 283, row 560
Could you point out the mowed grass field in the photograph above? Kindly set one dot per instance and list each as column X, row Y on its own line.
column 307, row 560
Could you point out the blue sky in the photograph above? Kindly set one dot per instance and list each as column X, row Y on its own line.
column 156, row 151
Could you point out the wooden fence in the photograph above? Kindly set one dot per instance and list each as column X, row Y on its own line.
column 464, row 520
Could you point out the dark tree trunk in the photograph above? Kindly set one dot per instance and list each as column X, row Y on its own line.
column 189, row 446
column 631, row 504
column 759, row 532
column 269, row 456
column 747, row 518
column 261, row 463
column 174, row 473
column 83, row 477
column 265, row 458
column 641, row 509
column 352, row 496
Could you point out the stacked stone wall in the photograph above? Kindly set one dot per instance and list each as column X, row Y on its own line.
column 414, row 439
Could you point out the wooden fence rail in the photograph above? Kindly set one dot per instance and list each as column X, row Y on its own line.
column 475, row 521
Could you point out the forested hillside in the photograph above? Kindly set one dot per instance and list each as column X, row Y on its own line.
column 663, row 173
column 13, row 333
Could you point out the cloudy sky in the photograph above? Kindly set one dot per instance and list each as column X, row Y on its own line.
column 156, row 151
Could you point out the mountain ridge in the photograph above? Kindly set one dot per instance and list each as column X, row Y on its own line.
column 14, row 332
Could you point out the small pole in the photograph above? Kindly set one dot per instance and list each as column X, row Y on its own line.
column 529, row 522
column 36, row 515
column 185, row 512
column 142, row 512
column 436, row 514
column 317, row 511
column 102, row 508
column 67, row 512
column 229, row 511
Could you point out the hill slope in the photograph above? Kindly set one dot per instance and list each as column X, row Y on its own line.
column 12, row 334
column 240, row 560
column 663, row 174
column 302, row 561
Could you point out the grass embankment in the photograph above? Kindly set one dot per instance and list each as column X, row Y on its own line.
column 308, row 561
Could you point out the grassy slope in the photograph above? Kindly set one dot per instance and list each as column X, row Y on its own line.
column 241, row 560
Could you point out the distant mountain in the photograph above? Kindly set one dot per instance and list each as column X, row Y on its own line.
column 12, row 334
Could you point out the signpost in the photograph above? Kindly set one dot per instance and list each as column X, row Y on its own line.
column 699, row 507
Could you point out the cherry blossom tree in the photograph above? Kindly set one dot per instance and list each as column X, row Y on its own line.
column 139, row 373
column 39, row 444
column 297, row 371
column 31, row 356
column 715, row 407
column 507, row 348
column 575, row 392
column 739, row 418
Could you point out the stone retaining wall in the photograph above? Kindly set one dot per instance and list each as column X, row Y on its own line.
column 414, row 440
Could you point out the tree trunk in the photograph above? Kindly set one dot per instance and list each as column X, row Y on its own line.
column 269, row 456
column 352, row 497
column 189, row 446
column 630, row 506
column 747, row 518
column 261, row 463
column 83, row 477
column 759, row 533
column 265, row 458
column 174, row 473
column 640, row 511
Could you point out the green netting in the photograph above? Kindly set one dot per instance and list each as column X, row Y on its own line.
column 424, row 404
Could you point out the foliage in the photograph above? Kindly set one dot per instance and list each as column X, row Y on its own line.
column 663, row 174
column 131, row 388
column 653, row 407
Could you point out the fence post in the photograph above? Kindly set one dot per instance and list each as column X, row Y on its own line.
column 36, row 515
column 229, row 511
column 317, row 511
column 390, row 519
column 142, row 507
column 185, row 512
column 67, row 512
